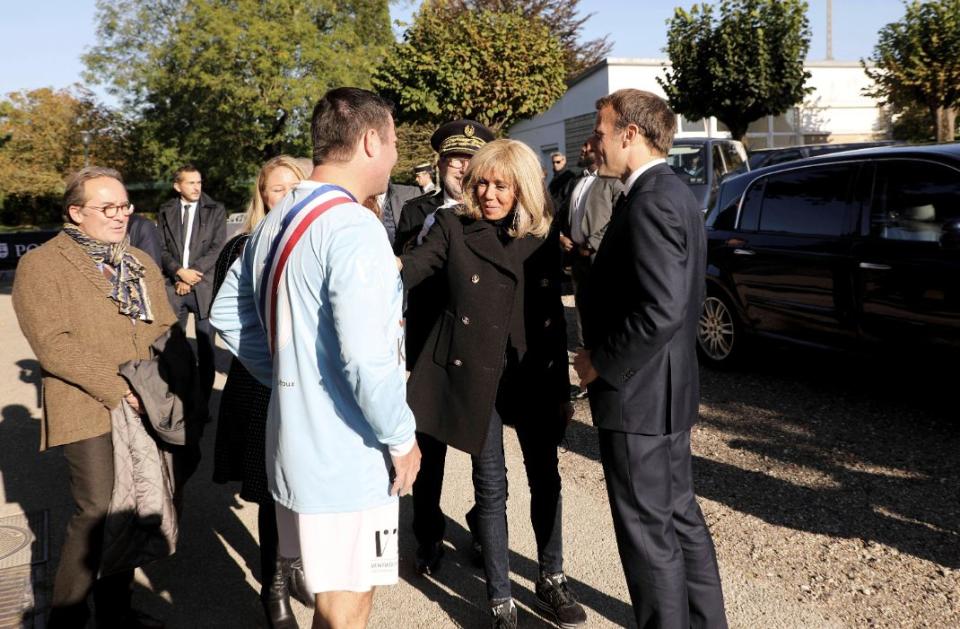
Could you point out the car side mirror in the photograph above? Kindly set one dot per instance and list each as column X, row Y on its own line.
column 950, row 234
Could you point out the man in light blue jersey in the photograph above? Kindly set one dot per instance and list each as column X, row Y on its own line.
column 313, row 309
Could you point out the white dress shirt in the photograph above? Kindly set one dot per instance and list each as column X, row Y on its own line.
column 187, row 212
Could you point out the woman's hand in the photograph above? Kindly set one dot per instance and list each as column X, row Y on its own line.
column 399, row 264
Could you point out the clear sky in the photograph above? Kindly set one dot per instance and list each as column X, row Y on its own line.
column 41, row 42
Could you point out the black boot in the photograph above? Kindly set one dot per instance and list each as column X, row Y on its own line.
column 297, row 582
column 276, row 597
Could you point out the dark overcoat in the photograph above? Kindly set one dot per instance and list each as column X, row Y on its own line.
column 456, row 379
column 209, row 233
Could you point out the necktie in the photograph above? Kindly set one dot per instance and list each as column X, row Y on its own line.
column 185, row 218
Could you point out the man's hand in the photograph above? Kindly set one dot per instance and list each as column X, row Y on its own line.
column 190, row 276
column 134, row 402
column 182, row 288
column 399, row 264
column 584, row 367
column 405, row 469
column 566, row 244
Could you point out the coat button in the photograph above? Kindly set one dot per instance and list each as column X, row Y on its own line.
column 547, row 323
column 457, row 362
column 475, row 278
column 465, row 320
column 545, row 283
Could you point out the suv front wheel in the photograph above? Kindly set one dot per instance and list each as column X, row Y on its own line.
column 719, row 333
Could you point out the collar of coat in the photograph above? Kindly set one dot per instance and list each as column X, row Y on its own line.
column 79, row 258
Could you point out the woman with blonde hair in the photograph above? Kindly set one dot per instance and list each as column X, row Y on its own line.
column 498, row 355
column 240, row 450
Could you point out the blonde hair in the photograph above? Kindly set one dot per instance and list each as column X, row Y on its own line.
column 256, row 210
column 517, row 164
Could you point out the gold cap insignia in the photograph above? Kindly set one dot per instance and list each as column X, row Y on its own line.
column 468, row 131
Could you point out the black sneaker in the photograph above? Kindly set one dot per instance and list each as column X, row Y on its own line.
column 428, row 557
column 504, row 615
column 554, row 596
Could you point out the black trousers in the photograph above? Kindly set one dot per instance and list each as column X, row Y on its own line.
column 665, row 547
column 429, row 522
column 183, row 305
column 91, row 483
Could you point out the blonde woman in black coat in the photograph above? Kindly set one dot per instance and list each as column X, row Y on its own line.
column 498, row 355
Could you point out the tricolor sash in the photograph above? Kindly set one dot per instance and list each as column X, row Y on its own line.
column 293, row 226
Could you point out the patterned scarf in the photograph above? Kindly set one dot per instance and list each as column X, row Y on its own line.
column 129, row 290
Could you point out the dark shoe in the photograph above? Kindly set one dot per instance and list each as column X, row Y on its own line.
column 576, row 393
column 504, row 615
column 428, row 557
column 555, row 597
column 276, row 598
column 476, row 549
column 297, row 583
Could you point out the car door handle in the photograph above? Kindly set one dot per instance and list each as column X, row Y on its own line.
column 744, row 252
column 874, row 267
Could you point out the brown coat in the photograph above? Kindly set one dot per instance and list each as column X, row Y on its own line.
column 79, row 336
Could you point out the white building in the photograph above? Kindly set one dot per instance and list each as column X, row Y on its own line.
column 835, row 111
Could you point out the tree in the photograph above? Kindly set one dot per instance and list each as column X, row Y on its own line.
column 227, row 84
column 740, row 67
column 916, row 62
column 48, row 134
column 561, row 17
column 495, row 68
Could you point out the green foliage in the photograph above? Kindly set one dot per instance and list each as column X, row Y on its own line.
column 496, row 68
column 916, row 63
column 560, row 16
column 413, row 146
column 48, row 134
column 741, row 66
column 227, row 84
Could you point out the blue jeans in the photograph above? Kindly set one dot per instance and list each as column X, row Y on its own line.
column 490, row 488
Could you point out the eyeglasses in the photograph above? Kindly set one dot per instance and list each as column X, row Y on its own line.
column 111, row 211
column 458, row 162
column 558, row 161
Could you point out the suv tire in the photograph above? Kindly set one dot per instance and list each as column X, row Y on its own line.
column 720, row 341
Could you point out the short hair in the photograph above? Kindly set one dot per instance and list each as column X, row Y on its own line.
column 76, row 193
column 557, row 154
column 651, row 114
column 180, row 172
column 257, row 209
column 341, row 118
column 516, row 163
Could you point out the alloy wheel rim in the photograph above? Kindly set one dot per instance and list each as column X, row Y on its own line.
column 716, row 332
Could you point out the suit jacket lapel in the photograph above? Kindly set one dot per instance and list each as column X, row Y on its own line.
column 174, row 225
column 481, row 237
column 84, row 263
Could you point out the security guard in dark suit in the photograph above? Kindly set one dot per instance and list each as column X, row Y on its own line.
column 456, row 142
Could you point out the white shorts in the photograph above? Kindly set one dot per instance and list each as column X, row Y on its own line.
column 343, row 552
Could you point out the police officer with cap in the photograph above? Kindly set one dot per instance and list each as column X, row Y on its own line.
column 456, row 142
column 423, row 173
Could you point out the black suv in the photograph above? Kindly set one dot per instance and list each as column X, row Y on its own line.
column 837, row 251
column 768, row 157
column 702, row 163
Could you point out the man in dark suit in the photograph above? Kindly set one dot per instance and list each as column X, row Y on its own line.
column 640, row 312
column 456, row 142
column 391, row 205
column 562, row 183
column 144, row 235
column 194, row 228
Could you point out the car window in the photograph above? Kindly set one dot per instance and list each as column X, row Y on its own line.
column 688, row 162
column 732, row 156
column 785, row 156
column 750, row 209
column 913, row 200
column 718, row 168
column 811, row 201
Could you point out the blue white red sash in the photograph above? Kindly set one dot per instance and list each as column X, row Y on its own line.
column 293, row 226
